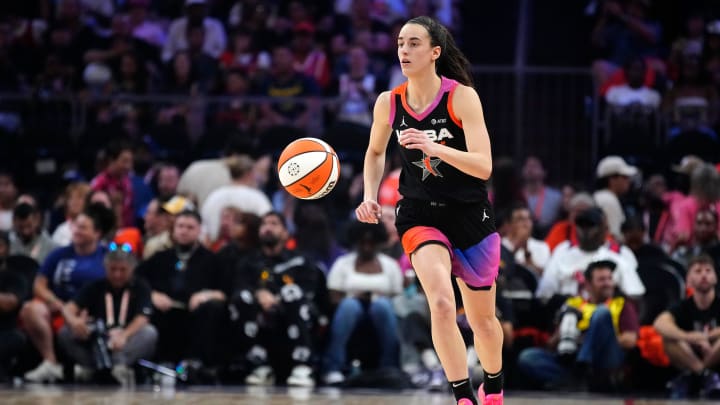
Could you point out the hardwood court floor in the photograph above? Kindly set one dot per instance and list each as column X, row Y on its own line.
column 262, row 396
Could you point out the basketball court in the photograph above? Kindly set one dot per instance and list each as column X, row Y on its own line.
column 47, row 395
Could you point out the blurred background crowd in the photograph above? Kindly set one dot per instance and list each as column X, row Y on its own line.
column 142, row 226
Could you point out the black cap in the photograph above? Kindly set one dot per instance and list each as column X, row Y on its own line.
column 590, row 217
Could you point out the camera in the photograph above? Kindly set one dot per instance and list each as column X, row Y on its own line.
column 99, row 339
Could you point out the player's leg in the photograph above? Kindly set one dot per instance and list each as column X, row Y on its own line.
column 432, row 265
column 487, row 335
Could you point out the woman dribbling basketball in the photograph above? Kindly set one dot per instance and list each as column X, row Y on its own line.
column 445, row 219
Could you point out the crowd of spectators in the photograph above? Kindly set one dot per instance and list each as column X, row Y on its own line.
column 204, row 264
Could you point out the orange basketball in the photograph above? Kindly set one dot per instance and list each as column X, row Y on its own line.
column 308, row 168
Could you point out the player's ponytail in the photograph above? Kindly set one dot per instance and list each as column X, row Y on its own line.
column 451, row 63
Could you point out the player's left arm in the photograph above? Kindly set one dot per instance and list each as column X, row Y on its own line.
column 477, row 161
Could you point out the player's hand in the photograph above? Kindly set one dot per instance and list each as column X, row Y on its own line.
column 369, row 211
column 412, row 138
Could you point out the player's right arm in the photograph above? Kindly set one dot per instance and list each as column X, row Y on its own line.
column 380, row 132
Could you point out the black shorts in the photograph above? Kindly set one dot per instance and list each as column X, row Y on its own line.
column 467, row 230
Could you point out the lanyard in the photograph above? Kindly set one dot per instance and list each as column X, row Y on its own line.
column 537, row 211
column 110, row 309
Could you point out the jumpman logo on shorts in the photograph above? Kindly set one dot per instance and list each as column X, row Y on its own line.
column 485, row 215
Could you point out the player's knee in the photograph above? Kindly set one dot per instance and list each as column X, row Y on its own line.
column 442, row 308
column 485, row 325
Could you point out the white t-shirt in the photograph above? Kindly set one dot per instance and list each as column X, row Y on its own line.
column 203, row 177
column 343, row 277
column 610, row 204
column 244, row 198
column 561, row 274
column 539, row 251
column 63, row 234
column 625, row 95
column 6, row 220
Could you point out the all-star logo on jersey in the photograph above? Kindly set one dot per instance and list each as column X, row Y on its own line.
column 428, row 166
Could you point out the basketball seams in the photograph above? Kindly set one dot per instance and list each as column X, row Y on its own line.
column 301, row 174
column 324, row 161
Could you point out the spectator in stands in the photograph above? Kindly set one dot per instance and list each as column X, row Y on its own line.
column 243, row 55
column 704, row 194
column 614, row 177
column 15, row 289
column 692, row 103
column 181, row 79
column 284, row 81
column 242, row 194
column 593, row 335
column 315, row 235
column 188, row 294
column 565, row 230
column 161, row 220
column 203, row 177
column 165, row 181
column 108, row 51
column 691, row 42
column 123, row 305
column 75, row 194
column 635, row 92
column 8, row 195
column 691, row 335
column 214, row 40
column 357, row 90
column 130, row 74
column 115, row 180
column 704, row 239
column 562, row 276
column 244, row 239
column 143, row 28
column 204, row 66
column 393, row 246
column 646, row 252
column 277, row 293
column 64, row 272
column 69, row 38
column 625, row 32
column 362, row 284
column 656, row 200
column 310, row 59
column 528, row 251
column 28, row 238
column 237, row 115
column 545, row 202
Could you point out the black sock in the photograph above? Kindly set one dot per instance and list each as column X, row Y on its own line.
column 463, row 389
column 493, row 383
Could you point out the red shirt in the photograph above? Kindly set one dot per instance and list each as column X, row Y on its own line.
column 117, row 188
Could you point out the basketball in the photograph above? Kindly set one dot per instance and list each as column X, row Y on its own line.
column 308, row 168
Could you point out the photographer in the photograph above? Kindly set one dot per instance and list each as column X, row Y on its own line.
column 108, row 321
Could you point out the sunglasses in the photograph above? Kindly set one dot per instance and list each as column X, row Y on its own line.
column 125, row 247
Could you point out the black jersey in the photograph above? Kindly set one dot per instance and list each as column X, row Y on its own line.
column 429, row 178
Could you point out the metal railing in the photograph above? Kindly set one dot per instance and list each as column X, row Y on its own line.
column 545, row 111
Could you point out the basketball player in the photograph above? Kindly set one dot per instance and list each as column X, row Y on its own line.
column 444, row 219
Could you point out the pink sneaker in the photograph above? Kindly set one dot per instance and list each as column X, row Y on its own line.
column 491, row 399
column 464, row 401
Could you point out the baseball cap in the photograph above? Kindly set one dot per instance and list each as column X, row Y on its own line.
column 688, row 164
column 613, row 165
column 590, row 217
column 178, row 204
